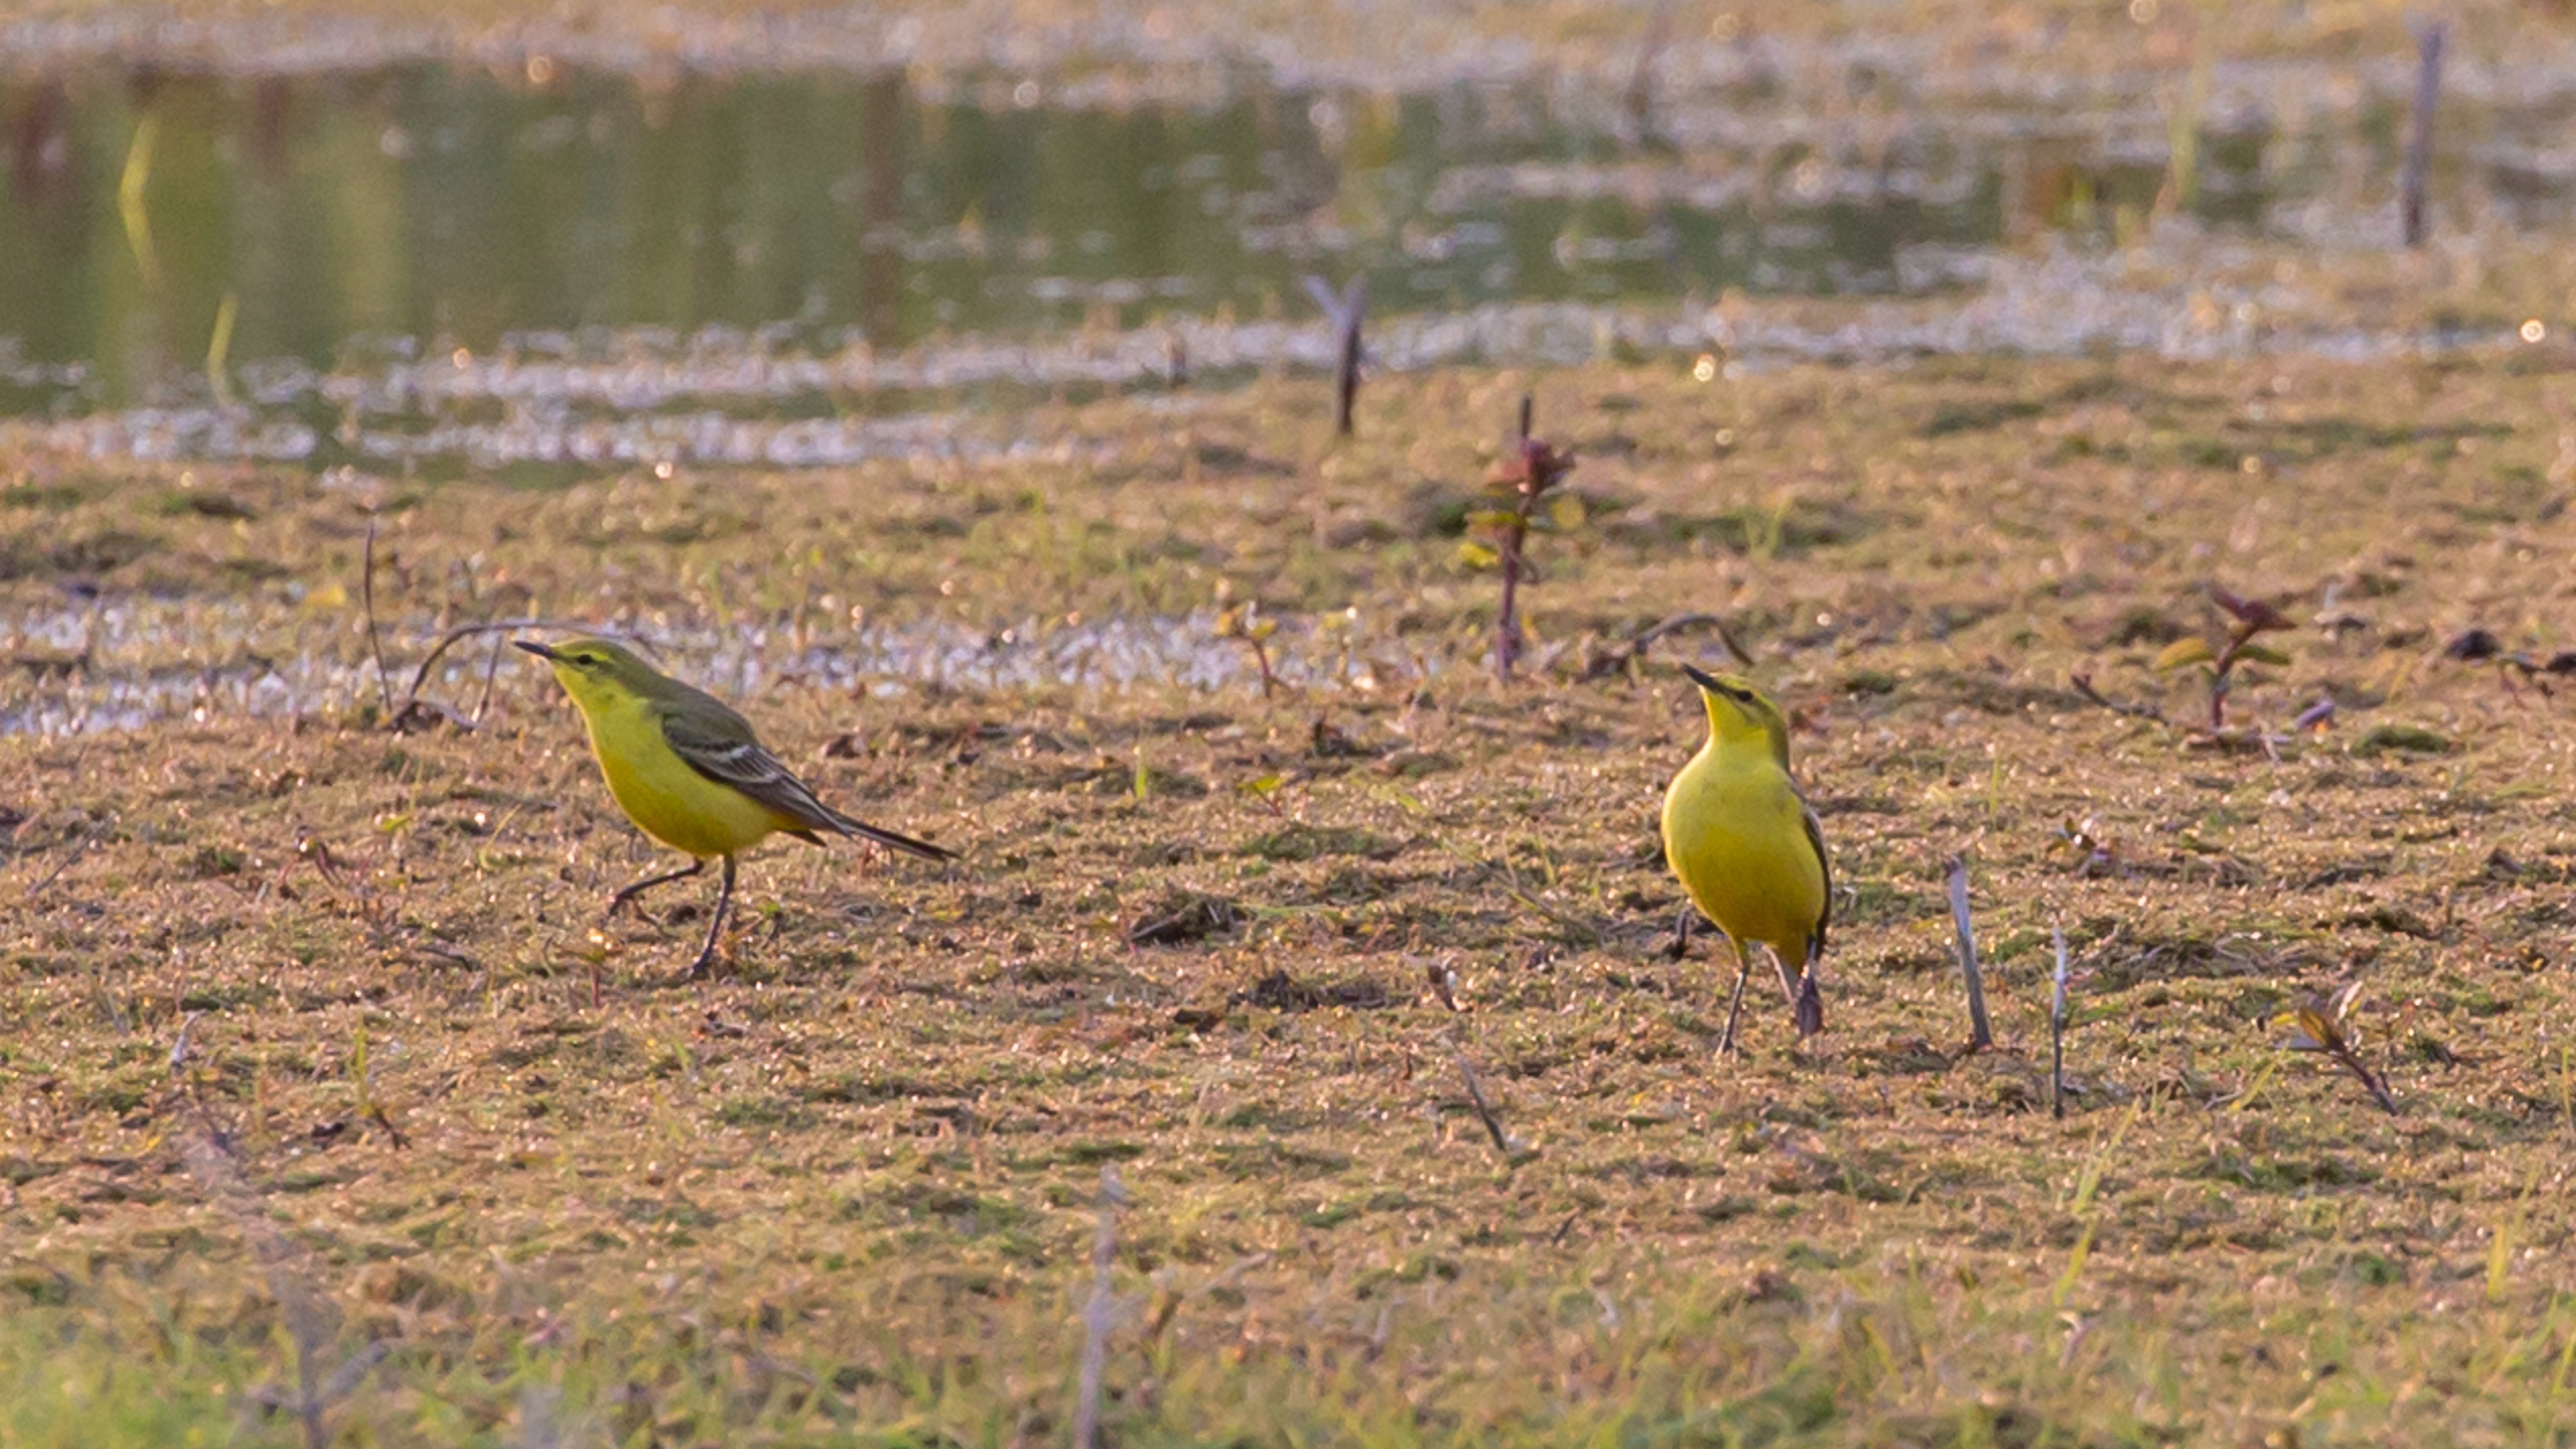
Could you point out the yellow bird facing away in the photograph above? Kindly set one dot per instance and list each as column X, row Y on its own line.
column 1747, row 849
column 690, row 772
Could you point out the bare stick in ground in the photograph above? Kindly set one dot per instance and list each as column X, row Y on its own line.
column 491, row 673
column 1099, row 1315
column 2430, row 36
column 2057, row 1032
column 375, row 641
column 310, row 1323
column 2084, row 686
column 88, row 838
column 1345, row 309
column 1981, row 1032
column 1618, row 658
column 1485, row 1113
column 1639, row 98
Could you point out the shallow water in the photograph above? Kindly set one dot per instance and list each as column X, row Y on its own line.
column 126, row 664
column 441, row 268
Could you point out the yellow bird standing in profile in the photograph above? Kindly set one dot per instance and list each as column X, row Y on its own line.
column 690, row 772
column 1747, row 849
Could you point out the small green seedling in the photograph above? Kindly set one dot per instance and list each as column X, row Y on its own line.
column 2253, row 619
column 1522, row 479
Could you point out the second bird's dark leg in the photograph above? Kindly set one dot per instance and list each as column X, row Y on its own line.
column 715, row 928
column 1735, row 1003
column 1788, row 983
column 1681, row 932
column 1810, row 998
column 618, row 900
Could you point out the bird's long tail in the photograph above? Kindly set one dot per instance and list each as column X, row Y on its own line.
column 892, row 841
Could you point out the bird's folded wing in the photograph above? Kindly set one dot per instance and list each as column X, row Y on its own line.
column 723, row 750
column 1816, row 842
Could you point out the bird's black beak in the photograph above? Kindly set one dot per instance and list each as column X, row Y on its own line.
column 1698, row 676
column 539, row 650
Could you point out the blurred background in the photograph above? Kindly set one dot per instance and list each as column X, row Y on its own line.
column 788, row 235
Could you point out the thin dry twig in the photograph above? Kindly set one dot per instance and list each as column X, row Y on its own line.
column 413, row 707
column 1485, row 1110
column 1632, row 651
column 2317, row 1024
column 491, row 674
column 310, row 1321
column 1981, row 1031
column 2057, row 1031
column 2416, row 175
column 375, row 640
column 1639, row 98
column 2084, row 686
column 1100, row 1314
column 1346, row 309
column 88, row 838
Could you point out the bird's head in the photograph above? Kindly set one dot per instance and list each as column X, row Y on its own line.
column 1740, row 715
column 589, row 669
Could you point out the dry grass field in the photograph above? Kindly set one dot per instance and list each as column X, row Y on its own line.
column 335, row 1114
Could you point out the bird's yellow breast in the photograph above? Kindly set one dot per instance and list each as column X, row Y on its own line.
column 659, row 791
column 1735, row 832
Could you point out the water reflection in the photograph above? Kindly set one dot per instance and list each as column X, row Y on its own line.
column 456, row 208
column 458, row 267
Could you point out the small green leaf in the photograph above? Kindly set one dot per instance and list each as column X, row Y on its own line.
column 1476, row 555
column 2182, row 654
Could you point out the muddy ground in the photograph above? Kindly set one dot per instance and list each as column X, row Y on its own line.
column 320, row 1048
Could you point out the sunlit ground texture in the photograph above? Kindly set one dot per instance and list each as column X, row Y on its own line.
column 304, row 1062
column 1300, row 1034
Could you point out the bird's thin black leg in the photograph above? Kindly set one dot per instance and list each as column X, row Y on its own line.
column 715, row 928
column 1810, row 999
column 1681, row 932
column 647, row 883
column 1735, row 1003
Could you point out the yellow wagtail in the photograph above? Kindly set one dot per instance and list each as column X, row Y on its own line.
column 689, row 771
column 1746, row 847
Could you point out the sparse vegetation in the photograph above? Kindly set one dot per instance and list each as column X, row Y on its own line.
column 1421, row 1139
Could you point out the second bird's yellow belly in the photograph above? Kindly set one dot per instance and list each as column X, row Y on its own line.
column 660, row 792
column 1738, row 842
